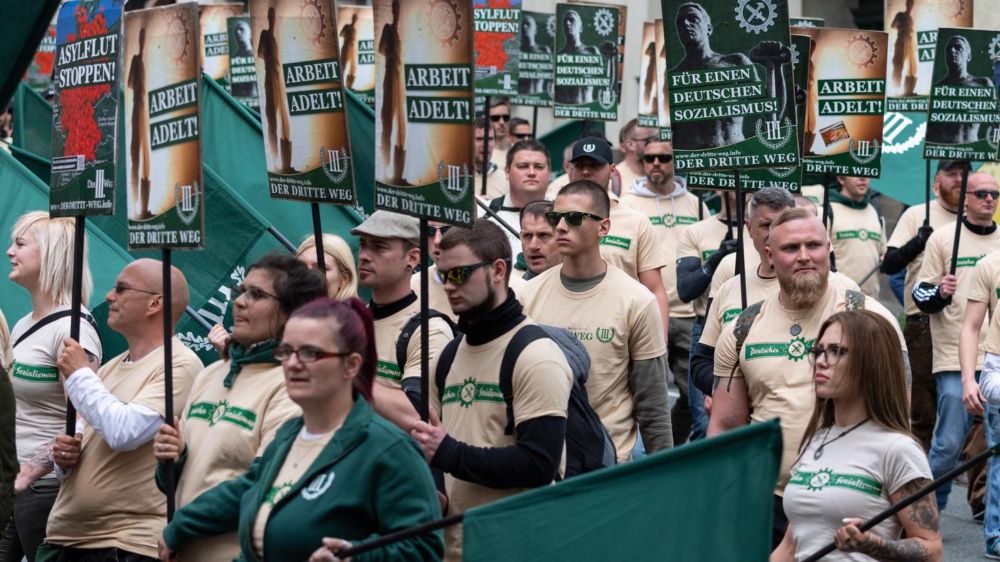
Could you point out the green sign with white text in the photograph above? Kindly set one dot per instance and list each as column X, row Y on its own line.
column 497, row 46
column 588, row 81
column 534, row 72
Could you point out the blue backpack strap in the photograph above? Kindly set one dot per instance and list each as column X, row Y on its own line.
column 521, row 340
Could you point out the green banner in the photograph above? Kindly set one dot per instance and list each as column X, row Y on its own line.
column 535, row 68
column 497, row 46
column 845, row 102
column 750, row 180
column 357, row 50
column 663, row 97
column 88, row 51
column 582, row 518
column 806, row 22
column 423, row 107
column 732, row 102
column 963, row 120
column 587, row 70
column 242, row 68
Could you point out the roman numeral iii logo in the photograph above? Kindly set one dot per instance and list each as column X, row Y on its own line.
column 772, row 130
column 187, row 201
column 99, row 184
column 335, row 163
column 864, row 148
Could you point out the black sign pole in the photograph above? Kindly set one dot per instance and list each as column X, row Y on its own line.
column 486, row 143
column 76, row 304
column 927, row 192
column 960, row 218
column 168, row 376
column 425, row 386
column 318, row 235
column 740, row 257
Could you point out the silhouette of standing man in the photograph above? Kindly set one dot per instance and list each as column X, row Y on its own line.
column 905, row 51
column 349, row 50
column 139, row 143
column 390, row 46
column 274, row 94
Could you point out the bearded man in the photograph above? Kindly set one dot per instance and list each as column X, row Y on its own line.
column 761, row 372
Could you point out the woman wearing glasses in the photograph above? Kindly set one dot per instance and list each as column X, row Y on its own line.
column 237, row 404
column 337, row 474
column 41, row 258
column 858, row 457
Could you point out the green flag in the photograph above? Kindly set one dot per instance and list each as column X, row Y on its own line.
column 729, row 478
column 22, row 27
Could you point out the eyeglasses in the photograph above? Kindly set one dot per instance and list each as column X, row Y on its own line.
column 306, row 354
column 661, row 158
column 573, row 218
column 120, row 288
column 983, row 194
column 253, row 294
column 433, row 230
column 832, row 353
column 501, row 117
column 460, row 274
column 523, row 136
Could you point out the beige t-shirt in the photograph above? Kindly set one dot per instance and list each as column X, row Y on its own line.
column 437, row 298
column 776, row 368
column 627, row 176
column 473, row 411
column 946, row 324
column 555, row 185
column 670, row 216
column 985, row 288
column 814, row 193
column 38, row 391
column 303, row 452
column 110, row 499
column 496, row 184
column 225, row 429
column 387, row 371
column 631, row 244
column 618, row 322
column 906, row 228
column 726, row 269
column 854, row 477
column 701, row 240
column 858, row 241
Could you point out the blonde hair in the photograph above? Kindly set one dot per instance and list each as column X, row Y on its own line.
column 343, row 258
column 54, row 237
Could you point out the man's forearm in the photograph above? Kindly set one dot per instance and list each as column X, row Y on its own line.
column 648, row 383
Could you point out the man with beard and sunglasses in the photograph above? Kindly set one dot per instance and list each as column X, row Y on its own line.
column 482, row 463
column 905, row 251
column 943, row 296
column 766, row 375
column 615, row 317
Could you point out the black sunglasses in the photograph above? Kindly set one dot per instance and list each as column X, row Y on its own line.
column 460, row 274
column 523, row 136
column 497, row 118
column 984, row 193
column 120, row 288
column 432, row 230
column 573, row 218
column 662, row 158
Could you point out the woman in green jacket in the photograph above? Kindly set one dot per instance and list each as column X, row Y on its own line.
column 340, row 472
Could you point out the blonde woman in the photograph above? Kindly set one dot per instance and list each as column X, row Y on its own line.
column 41, row 260
column 340, row 276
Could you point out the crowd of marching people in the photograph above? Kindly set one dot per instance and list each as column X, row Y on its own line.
column 558, row 321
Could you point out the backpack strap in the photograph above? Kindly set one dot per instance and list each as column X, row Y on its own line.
column 408, row 329
column 855, row 300
column 445, row 358
column 521, row 340
column 496, row 204
column 52, row 318
column 741, row 329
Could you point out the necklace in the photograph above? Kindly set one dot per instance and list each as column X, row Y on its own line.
column 796, row 328
column 819, row 450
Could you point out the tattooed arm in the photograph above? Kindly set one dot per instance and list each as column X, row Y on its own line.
column 920, row 523
column 37, row 466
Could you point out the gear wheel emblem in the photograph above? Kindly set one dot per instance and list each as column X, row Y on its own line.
column 313, row 20
column 995, row 47
column 756, row 16
column 604, row 22
column 467, row 394
column 951, row 8
column 797, row 349
column 445, row 21
column 795, row 54
column 820, row 480
column 861, row 51
column 178, row 37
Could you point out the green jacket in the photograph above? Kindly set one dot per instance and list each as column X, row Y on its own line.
column 369, row 480
column 8, row 450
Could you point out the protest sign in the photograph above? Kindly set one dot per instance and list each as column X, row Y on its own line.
column 302, row 101
column 242, row 68
column 587, row 67
column 912, row 26
column 963, row 121
column 85, row 109
column 39, row 73
column 166, row 204
column 846, row 101
column 731, row 97
column 497, row 45
column 648, row 92
column 357, row 50
column 215, row 39
column 662, row 101
column 423, row 109
column 534, row 73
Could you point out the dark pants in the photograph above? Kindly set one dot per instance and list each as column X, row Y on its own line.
column 696, row 398
column 923, row 401
column 53, row 553
column 678, row 350
column 779, row 523
column 26, row 529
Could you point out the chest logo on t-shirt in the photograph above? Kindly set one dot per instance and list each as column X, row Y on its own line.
column 318, row 486
column 967, row 261
column 223, row 411
column 816, row 481
column 470, row 391
column 616, row 242
column 796, row 349
column 860, row 234
column 671, row 221
column 277, row 492
column 34, row 373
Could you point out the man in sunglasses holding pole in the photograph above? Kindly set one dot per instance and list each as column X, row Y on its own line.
column 388, row 254
column 615, row 318
column 943, row 295
column 500, row 122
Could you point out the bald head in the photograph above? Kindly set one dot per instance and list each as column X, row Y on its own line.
column 803, row 202
column 150, row 273
column 981, row 198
